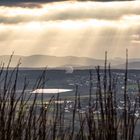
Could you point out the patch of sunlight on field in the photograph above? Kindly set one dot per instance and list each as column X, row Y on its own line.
column 53, row 91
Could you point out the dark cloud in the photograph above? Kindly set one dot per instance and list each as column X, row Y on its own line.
column 83, row 12
column 110, row 0
column 25, row 3
column 42, row 1
column 10, row 1
column 21, row 4
column 37, row 3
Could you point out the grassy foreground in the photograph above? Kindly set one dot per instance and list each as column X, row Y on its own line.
column 20, row 119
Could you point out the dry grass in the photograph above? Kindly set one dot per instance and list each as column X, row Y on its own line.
column 20, row 120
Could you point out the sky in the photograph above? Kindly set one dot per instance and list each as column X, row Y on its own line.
column 70, row 28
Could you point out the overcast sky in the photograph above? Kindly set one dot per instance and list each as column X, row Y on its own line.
column 70, row 28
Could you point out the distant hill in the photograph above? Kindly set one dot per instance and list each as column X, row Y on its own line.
column 38, row 61
column 50, row 61
column 131, row 65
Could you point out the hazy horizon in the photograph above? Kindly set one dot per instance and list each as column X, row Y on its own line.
column 67, row 56
column 71, row 28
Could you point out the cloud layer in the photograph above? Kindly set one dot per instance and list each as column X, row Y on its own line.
column 71, row 28
column 69, row 11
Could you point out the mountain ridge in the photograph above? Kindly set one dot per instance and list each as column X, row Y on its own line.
column 38, row 61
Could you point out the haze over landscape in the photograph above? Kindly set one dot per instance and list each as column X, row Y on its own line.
column 39, row 61
column 70, row 28
column 69, row 70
